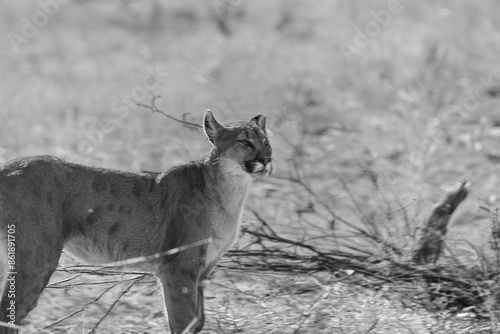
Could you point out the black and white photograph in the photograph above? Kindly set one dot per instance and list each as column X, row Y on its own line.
column 249, row 166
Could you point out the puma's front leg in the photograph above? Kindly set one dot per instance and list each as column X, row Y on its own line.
column 183, row 295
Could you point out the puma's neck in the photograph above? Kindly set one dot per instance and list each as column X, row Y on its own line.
column 231, row 183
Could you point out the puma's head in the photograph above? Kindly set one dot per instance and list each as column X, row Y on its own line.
column 242, row 145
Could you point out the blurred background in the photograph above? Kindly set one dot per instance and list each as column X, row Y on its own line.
column 363, row 97
column 405, row 93
column 407, row 89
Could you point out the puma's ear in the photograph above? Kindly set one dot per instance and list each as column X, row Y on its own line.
column 260, row 120
column 211, row 126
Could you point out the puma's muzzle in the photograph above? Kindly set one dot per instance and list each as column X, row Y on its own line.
column 259, row 167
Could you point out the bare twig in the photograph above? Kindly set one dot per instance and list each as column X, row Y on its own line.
column 315, row 196
column 152, row 106
column 142, row 259
column 82, row 308
column 191, row 325
column 52, row 285
column 105, row 269
column 86, row 283
column 372, row 326
column 111, row 307
column 370, row 235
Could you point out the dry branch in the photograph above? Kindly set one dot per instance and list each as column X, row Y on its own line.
column 83, row 308
column 93, row 330
column 152, row 106
column 431, row 241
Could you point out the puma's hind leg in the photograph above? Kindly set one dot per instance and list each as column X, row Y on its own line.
column 36, row 255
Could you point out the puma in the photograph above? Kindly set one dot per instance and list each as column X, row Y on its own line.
column 103, row 215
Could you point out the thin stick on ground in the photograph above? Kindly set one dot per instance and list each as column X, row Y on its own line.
column 56, row 284
column 111, row 307
column 83, row 283
column 82, row 308
column 372, row 326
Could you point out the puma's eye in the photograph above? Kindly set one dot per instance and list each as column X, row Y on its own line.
column 246, row 143
column 266, row 143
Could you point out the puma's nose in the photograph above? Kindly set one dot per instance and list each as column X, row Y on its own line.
column 264, row 160
column 266, row 163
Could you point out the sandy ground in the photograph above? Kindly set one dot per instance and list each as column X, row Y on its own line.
column 253, row 303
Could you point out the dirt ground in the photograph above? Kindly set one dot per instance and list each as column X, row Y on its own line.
column 257, row 303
